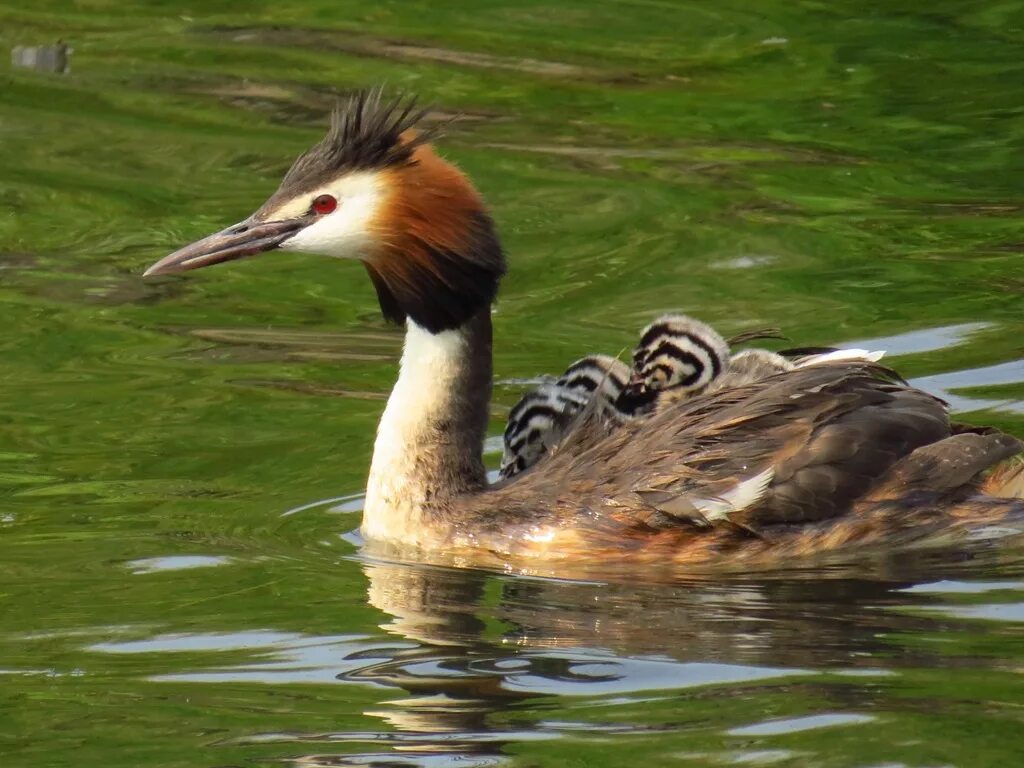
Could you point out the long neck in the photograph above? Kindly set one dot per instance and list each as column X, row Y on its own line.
column 430, row 439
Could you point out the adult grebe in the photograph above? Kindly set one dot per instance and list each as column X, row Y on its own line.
column 823, row 456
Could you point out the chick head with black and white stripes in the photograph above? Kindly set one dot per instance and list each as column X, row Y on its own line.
column 539, row 420
column 678, row 352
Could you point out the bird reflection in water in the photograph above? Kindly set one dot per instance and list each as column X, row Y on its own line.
column 485, row 644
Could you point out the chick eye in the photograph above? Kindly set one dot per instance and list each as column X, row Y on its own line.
column 324, row 204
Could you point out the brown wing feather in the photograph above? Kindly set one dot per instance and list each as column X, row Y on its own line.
column 852, row 442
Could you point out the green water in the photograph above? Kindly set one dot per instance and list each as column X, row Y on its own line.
column 846, row 171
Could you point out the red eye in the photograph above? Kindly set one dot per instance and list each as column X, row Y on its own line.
column 324, row 204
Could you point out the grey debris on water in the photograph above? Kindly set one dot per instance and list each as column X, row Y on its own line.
column 43, row 58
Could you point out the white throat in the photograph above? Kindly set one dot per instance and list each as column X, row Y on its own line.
column 430, row 439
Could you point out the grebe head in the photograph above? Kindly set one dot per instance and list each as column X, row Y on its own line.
column 680, row 353
column 374, row 190
column 540, row 418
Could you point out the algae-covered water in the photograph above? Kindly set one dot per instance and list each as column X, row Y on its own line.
column 849, row 172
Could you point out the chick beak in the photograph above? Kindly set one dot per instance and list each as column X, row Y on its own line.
column 636, row 398
column 244, row 239
column 636, row 385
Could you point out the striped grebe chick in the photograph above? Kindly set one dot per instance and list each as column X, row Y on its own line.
column 680, row 357
column 827, row 456
column 677, row 357
column 542, row 417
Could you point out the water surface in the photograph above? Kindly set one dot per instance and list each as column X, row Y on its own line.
column 181, row 459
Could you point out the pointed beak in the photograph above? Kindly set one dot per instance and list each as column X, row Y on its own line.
column 244, row 239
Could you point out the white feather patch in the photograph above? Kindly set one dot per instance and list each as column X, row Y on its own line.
column 742, row 495
column 841, row 355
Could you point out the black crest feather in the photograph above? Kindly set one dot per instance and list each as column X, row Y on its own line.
column 365, row 134
column 449, row 282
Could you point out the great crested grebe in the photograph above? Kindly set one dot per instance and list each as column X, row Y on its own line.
column 540, row 419
column 824, row 456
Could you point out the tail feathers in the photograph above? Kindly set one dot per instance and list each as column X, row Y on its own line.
column 1006, row 480
column 948, row 466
